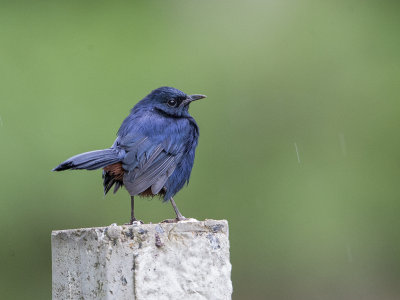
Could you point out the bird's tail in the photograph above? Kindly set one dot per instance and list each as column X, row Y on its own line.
column 90, row 160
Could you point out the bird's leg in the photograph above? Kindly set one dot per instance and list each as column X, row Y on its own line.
column 179, row 216
column 133, row 219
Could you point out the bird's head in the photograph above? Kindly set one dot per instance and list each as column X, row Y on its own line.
column 170, row 101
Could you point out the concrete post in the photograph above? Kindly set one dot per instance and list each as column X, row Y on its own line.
column 184, row 260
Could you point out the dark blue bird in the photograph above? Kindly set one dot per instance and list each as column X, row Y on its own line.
column 154, row 150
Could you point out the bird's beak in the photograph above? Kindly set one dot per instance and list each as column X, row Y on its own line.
column 195, row 97
column 192, row 98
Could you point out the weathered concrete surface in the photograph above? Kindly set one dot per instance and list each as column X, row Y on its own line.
column 184, row 260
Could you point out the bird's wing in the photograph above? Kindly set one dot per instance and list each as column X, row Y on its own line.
column 149, row 162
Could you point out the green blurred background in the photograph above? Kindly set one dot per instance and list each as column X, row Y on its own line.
column 299, row 146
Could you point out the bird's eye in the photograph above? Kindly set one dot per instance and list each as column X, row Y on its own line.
column 172, row 103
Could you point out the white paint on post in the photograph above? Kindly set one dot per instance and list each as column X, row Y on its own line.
column 184, row 260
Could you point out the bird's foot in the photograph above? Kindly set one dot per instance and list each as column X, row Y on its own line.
column 178, row 219
column 170, row 221
column 135, row 222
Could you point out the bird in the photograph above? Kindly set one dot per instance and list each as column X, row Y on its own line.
column 154, row 151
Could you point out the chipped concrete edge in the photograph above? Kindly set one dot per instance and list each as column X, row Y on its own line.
column 114, row 230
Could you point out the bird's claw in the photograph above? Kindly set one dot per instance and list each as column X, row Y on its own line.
column 176, row 220
column 135, row 222
column 170, row 221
